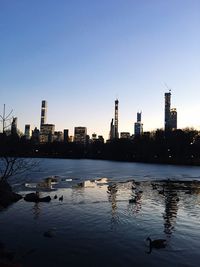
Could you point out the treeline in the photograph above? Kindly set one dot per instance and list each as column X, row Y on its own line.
column 174, row 147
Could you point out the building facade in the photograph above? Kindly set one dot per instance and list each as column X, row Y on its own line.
column 27, row 131
column 125, row 135
column 43, row 113
column 47, row 133
column 138, row 126
column 80, row 135
column 170, row 114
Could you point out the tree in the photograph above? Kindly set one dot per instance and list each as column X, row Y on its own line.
column 10, row 166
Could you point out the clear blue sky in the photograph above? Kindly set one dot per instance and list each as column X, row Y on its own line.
column 80, row 55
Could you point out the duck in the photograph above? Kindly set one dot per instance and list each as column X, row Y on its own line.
column 133, row 200
column 61, row 198
column 55, row 197
column 157, row 243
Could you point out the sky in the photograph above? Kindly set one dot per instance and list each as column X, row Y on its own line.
column 80, row 55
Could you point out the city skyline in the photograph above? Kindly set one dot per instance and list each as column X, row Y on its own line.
column 81, row 56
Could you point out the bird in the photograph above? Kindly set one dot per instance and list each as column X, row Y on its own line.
column 157, row 243
column 61, row 198
column 55, row 197
column 133, row 200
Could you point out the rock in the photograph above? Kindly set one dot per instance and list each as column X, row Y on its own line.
column 7, row 196
column 34, row 197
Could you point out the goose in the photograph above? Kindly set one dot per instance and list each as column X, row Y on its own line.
column 61, row 198
column 133, row 200
column 157, row 243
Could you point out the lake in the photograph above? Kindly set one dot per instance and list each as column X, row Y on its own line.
column 108, row 211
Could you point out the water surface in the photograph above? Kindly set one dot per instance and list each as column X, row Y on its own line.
column 96, row 225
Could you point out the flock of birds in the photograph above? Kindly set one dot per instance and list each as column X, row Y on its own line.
column 156, row 243
column 60, row 198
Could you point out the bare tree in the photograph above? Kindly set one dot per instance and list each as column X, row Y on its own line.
column 5, row 118
column 10, row 166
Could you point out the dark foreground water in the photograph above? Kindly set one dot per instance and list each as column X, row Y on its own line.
column 95, row 225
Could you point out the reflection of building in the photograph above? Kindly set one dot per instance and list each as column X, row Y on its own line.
column 171, row 208
column 80, row 135
column 170, row 114
column 138, row 127
column 125, row 135
column 43, row 113
column 47, row 133
column 27, row 131
column 14, row 126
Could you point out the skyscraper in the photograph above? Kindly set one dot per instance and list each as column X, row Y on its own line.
column 116, row 133
column 170, row 114
column 112, row 132
column 43, row 113
column 80, row 135
column 167, row 111
column 27, row 131
column 138, row 126
column 173, row 115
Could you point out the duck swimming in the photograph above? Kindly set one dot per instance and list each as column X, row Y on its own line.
column 157, row 243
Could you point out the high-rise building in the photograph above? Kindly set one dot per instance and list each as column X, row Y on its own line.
column 116, row 133
column 27, row 131
column 138, row 126
column 173, row 115
column 47, row 133
column 14, row 126
column 66, row 135
column 167, row 111
column 43, row 113
column 112, row 131
column 80, row 135
column 170, row 114
column 139, row 116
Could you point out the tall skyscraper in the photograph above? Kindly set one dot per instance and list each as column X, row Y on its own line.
column 43, row 113
column 138, row 126
column 167, row 111
column 170, row 114
column 116, row 133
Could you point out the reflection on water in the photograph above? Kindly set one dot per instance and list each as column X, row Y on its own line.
column 102, row 222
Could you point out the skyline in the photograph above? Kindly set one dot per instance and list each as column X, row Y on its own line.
column 81, row 56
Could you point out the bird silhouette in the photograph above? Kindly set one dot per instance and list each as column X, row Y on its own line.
column 55, row 197
column 61, row 198
column 157, row 243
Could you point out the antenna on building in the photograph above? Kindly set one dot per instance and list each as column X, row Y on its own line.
column 170, row 89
